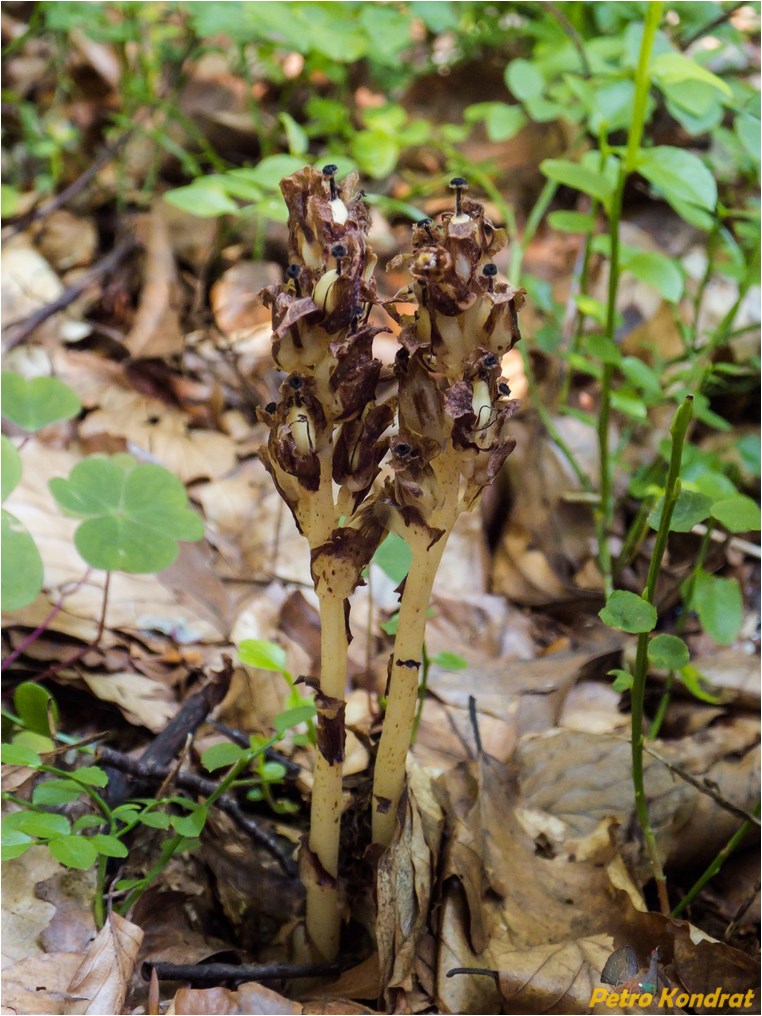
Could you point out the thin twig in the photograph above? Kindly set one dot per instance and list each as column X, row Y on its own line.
column 475, row 724
column 573, row 35
column 703, row 788
column 93, row 644
column 215, row 973
column 149, row 771
column 17, row 331
column 74, row 188
column 714, row 23
column 43, row 626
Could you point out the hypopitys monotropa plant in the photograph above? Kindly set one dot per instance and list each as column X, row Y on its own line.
column 452, row 439
column 323, row 452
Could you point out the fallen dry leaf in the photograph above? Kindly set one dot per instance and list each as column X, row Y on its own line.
column 254, row 1000
column 38, row 986
column 25, row 916
column 156, row 330
column 100, row 983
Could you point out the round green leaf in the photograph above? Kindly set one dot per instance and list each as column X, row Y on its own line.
column 224, row 754
column 54, row 792
column 719, row 605
column 41, row 824
column 35, row 403
column 449, row 661
column 93, row 776
column 524, row 79
column 11, row 466
column 36, row 708
column 263, row 654
column 680, row 175
column 738, row 514
column 691, row 508
column 376, row 152
column 189, row 825
column 14, row 843
column 155, row 820
column 20, row 755
column 109, row 846
column 205, row 198
column 628, row 612
column 668, row 652
column 135, row 514
column 74, row 852
column 22, row 569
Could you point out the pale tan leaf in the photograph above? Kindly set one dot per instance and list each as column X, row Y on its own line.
column 101, row 981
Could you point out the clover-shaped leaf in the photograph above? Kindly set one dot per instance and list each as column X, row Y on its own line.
column 35, row 403
column 22, row 571
column 134, row 513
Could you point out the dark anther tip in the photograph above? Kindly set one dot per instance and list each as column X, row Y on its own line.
column 295, row 382
column 490, row 360
column 330, row 170
column 338, row 250
column 294, row 271
column 425, row 222
column 402, row 449
column 490, row 271
column 458, row 183
column 271, row 407
column 504, row 389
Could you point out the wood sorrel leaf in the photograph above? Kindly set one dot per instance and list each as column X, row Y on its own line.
column 628, row 612
column 35, row 403
column 135, row 514
column 22, row 570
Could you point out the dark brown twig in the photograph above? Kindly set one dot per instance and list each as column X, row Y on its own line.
column 216, row 973
column 573, row 35
column 17, row 331
column 92, row 644
column 151, row 772
column 704, row 787
column 43, row 626
column 710, row 26
column 74, row 188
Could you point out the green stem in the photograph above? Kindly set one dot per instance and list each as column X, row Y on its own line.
column 678, row 431
column 715, row 865
column 661, row 710
column 605, row 513
column 534, row 219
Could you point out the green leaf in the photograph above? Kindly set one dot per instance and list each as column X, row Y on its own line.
column 391, row 626
column 393, row 557
column 376, row 152
column 628, row 612
column 437, row 15
column 18, row 755
column 38, row 402
column 14, row 843
column 93, row 776
column 739, row 514
column 35, row 707
column 668, row 68
column 571, row 174
column 135, row 514
column 641, row 376
column 449, row 661
column 22, row 568
column 41, row 824
column 655, row 270
column 87, row 822
column 719, row 605
column 39, row 743
column 54, row 792
column 679, row 175
column 691, row 508
column 296, row 138
column 747, row 130
column 524, row 79
column 224, row 754
column 668, row 652
column 272, row 772
column 10, row 200
column 572, row 222
column 629, row 403
column 189, row 825
column 154, row 819
column 109, row 846
column 206, row 198
column 293, row 717
column 74, row 852
column 501, row 120
column 623, row 679
column 270, row 171
column 263, row 654
column 11, row 466
column 694, row 680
